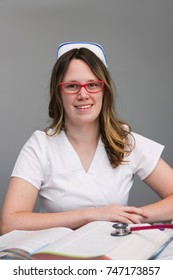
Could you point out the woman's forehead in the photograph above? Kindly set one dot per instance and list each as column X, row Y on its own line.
column 79, row 70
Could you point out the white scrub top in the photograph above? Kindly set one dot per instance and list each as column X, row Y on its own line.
column 52, row 166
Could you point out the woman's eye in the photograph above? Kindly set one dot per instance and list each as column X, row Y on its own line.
column 93, row 85
column 72, row 86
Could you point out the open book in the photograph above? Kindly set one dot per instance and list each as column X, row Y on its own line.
column 92, row 241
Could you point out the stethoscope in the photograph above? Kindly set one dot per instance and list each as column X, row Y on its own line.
column 123, row 229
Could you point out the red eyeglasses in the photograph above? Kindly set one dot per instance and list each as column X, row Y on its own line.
column 74, row 88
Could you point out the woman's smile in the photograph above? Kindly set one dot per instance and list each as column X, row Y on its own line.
column 85, row 107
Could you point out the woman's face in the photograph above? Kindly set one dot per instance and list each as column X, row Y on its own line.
column 81, row 108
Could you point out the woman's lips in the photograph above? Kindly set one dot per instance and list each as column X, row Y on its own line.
column 83, row 107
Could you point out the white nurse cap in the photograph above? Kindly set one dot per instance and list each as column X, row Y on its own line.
column 94, row 47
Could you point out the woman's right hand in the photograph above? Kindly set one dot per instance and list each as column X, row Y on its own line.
column 118, row 213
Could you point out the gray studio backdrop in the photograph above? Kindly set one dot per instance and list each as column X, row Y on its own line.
column 138, row 39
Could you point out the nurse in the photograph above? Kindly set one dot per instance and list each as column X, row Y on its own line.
column 82, row 166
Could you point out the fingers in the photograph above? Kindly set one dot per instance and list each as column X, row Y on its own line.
column 121, row 214
column 129, row 214
column 127, row 218
column 135, row 210
column 133, row 219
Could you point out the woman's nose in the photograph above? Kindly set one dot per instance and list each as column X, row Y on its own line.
column 83, row 93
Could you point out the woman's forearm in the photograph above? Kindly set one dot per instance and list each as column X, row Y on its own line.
column 159, row 211
column 39, row 221
column 71, row 219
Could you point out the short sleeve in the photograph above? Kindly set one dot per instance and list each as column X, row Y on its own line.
column 29, row 164
column 145, row 155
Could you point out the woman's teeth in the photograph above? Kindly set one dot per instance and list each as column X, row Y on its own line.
column 83, row 106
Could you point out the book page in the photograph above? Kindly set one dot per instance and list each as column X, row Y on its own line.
column 95, row 239
column 31, row 241
column 90, row 240
column 167, row 254
column 138, row 245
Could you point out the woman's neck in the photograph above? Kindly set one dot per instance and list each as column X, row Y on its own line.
column 83, row 134
column 84, row 141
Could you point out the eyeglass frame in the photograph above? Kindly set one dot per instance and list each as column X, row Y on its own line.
column 81, row 85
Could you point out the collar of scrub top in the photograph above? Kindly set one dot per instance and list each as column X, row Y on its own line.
column 94, row 47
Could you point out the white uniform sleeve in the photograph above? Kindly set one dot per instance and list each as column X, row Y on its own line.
column 29, row 163
column 145, row 155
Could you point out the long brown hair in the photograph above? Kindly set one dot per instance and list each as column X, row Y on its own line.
column 113, row 131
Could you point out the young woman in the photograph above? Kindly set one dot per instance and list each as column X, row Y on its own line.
column 82, row 167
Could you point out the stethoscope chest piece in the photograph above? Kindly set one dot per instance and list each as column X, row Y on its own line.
column 120, row 229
